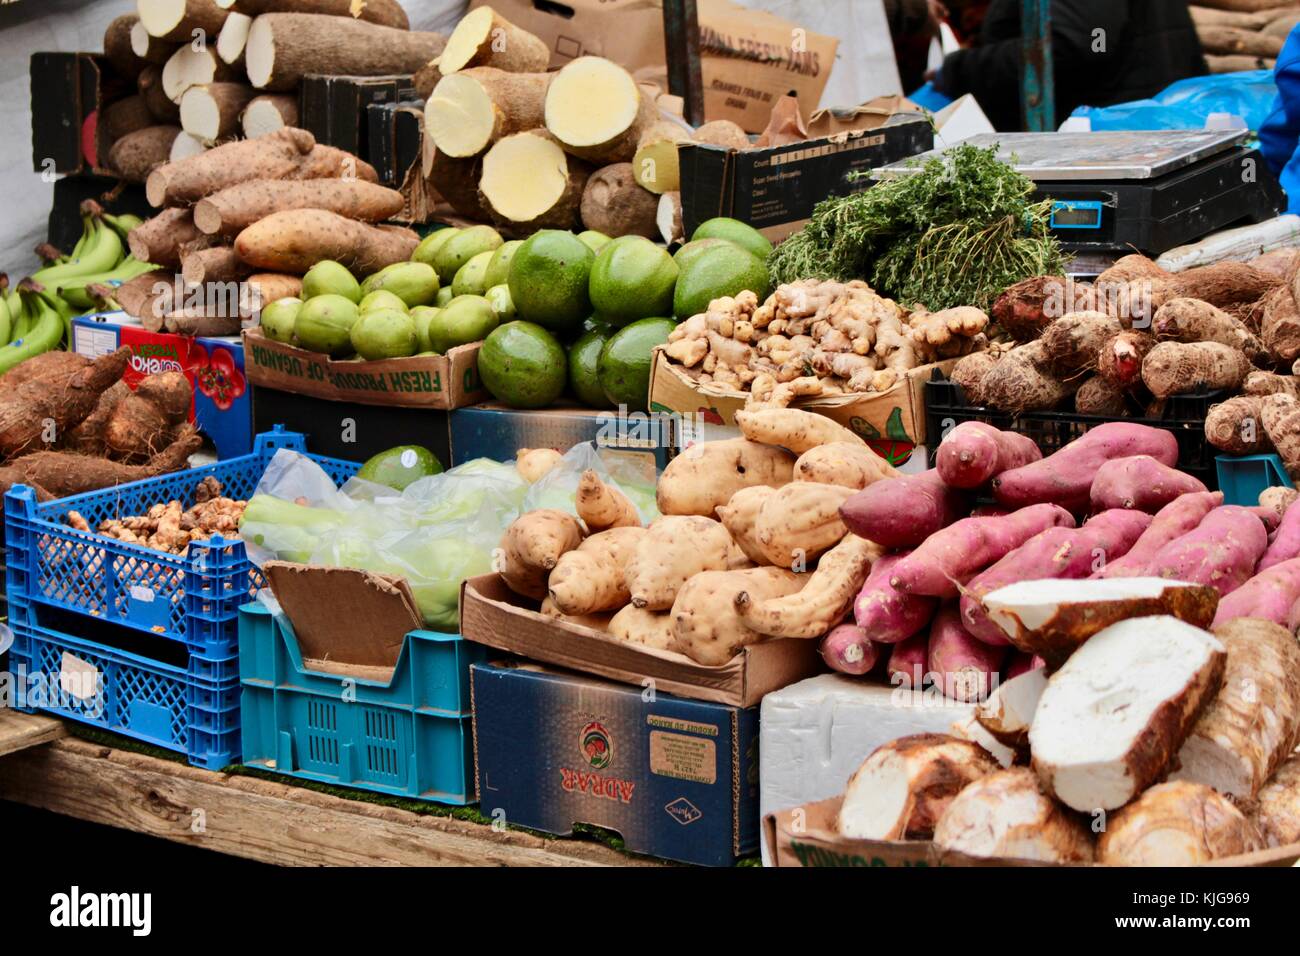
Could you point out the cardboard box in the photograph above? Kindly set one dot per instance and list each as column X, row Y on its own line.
column 492, row 614
column 675, row 778
column 892, row 422
column 214, row 367
column 426, row 381
column 394, row 131
column 494, row 431
column 333, row 108
column 748, row 58
column 806, row 836
column 775, row 188
column 68, row 92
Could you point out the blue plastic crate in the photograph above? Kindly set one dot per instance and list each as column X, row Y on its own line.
column 194, row 599
column 193, row 709
column 1243, row 477
column 409, row 736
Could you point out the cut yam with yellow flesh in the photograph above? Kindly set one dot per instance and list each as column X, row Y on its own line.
column 1111, row 721
column 1177, row 824
column 655, row 163
column 176, row 20
column 210, row 113
column 267, row 113
column 530, row 183
column 233, row 38
column 597, row 111
column 1006, row 815
column 469, row 111
column 614, row 203
column 485, row 38
column 190, row 67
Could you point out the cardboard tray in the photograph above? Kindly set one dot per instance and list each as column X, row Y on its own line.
column 805, row 837
column 492, row 614
column 420, row 381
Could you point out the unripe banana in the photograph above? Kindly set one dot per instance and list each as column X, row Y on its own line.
column 103, row 252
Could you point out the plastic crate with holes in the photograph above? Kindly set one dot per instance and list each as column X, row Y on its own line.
column 1184, row 415
column 408, row 735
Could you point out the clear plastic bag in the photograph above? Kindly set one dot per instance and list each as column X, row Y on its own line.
column 558, row 488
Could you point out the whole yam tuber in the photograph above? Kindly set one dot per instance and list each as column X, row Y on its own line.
column 64, row 473
column 1281, row 419
column 1237, row 426
column 1191, row 320
column 1073, row 342
column 1120, row 360
column 1175, row 368
column 40, row 411
column 1022, row 381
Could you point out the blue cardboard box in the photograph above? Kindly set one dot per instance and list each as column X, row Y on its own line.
column 675, row 778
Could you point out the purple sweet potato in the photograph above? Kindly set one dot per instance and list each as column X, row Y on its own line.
column 1065, row 478
column 965, row 668
column 1285, row 544
column 1172, row 521
column 1054, row 553
column 1269, row 595
column 847, row 649
column 907, row 660
column 973, row 452
column 952, row 556
column 1139, row 482
column 1221, row 551
column 902, row 512
column 886, row 614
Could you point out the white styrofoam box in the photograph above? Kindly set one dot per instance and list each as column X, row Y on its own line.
column 815, row 733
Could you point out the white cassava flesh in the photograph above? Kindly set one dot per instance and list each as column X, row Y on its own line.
column 1252, row 724
column 269, row 112
column 1278, row 805
column 669, row 217
column 1177, row 824
column 595, row 108
column 212, row 112
column 1007, row 815
column 1112, row 718
column 467, row 112
column 186, row 145
column 903, row 787
column 175, row 19
column 1052, row 617
column 1008, row 712
column 189, row 67
column 968, row 728
column 527, row 178
column 233, row 37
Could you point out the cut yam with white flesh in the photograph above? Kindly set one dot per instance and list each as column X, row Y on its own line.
column 597, row 111
column 1177, row 824
column 284, row 47
column 485, row 38
column 902, row 789
column 214, row 264
column 148, row 48
column 1253, row 723
column 211, row 113
column 655, row 162
column 186, row 145
column 1278, row 805
column 1111, row 721
column 269, row 112
column 1008, row 712
column 968, row 728
column 277, row 156
column 1007, row 815
column 237, row 207
column 614, row 203
column 190, row 67
column 669, row 218
column 469, row 111
column 386, row 13
column 1052, row 617
column 529, row 183
column 233, row 38
column 176, row 20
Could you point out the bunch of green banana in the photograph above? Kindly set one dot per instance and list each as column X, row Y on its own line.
column 41, row 322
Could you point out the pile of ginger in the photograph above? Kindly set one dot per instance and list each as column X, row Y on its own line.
column 170, row 526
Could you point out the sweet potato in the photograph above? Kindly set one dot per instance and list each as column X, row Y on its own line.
column 907, row 660
column 1221, row 551
column 740, row 515
column 800, row 521
column 41, row 410
column 591, row 578
column 1119, row 361
column 1073, row 342
column 1285, row 544
column 1060, row 552
column 603, row 506
column 1140, row 482
column 954, row 555
column 597, row 621
column 706, row 626
column 965, row 668
column 973, row 452
column 849, row 650
column 1172, row 521
column 1065, row 478
column 1280, row 415
column 636, row 625
column 532, row 463
column 821, row 602
column 1279, row 499
column 706, row 475
column 1175, row 368
column 1191, row 320
column 673, row 550
column 1236, row 426
column 295, row 240
column 887, row 614
column 532, row 546
column 902, row 512
column 848, row 464
column 792, row 428
column 1269, row 595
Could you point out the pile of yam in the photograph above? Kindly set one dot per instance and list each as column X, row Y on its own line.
column 1239, row 35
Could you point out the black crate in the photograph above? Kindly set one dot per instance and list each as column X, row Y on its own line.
column 1184, row 415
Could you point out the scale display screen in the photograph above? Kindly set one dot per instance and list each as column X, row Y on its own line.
column 1077, row 214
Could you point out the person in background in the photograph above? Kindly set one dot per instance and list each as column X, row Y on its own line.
column 1279, row 136
column 1104, row 51
column 913, row 26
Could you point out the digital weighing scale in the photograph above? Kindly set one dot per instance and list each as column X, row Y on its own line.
column 1149, row 190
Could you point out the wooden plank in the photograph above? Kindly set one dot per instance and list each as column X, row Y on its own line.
column 20, row 731
column 266, row 820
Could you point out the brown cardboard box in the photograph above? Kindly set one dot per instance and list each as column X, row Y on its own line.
column 748, row 58
column 425, row 381
column 892, row 422
column 805, row 836
column 492, row 614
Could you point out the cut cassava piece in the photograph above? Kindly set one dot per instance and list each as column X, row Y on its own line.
column 903, row 788
column 297, row 239
column 597, row 111
column 1177, row 824
column 485, row 38
column 233, row 38
column 136, row 155
column 237, row 207
column 149, row 85
column 529, row 183
column 159, row 239
column 190, row 67
column 284, row 47
column 176, row 20
column 268, row 113
column 469, row 111
column 276, row 156
column 655, row 161
column 212, row 112
column 1053, row 617
column 614, row 203
column 1007, row 815
column 148, row 48
column 386, row 13
column 1112, row 719
column 1008, row 712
